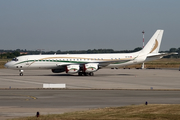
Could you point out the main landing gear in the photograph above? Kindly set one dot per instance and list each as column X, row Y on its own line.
column 21, row 72
column 85, row 74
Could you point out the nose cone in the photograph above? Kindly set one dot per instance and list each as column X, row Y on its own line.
column 8, row 65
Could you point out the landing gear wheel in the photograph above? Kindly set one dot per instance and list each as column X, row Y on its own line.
column 20, row 74
column 85, row 74
column 79, row 73
column 91, row 74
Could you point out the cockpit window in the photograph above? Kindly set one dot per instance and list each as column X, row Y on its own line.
column 14, row 59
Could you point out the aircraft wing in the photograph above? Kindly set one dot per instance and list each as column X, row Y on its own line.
column 154, row 56
column 116, row 61
column 160, row 54
column 101, row 63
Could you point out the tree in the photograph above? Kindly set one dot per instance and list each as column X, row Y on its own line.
column 173, row 50
column 16, row 53
column 137, row 49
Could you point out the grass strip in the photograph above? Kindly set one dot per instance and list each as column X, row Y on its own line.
column 133, row 112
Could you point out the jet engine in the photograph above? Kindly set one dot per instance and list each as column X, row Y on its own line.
column 90, row 67
column 72, row 68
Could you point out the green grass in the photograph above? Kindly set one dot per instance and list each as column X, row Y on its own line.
column 133, row 112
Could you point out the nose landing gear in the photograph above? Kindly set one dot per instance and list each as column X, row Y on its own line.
column 21, row 72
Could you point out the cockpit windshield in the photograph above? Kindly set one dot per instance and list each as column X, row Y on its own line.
column 14, row 59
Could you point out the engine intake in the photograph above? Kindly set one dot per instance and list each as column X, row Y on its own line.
column 90, row 67
column 72, row 68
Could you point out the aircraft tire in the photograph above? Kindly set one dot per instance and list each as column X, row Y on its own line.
column 20, row 74
column 79, row 73
column 91, row 74
column 85, row 74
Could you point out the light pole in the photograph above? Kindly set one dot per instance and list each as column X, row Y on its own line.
column 143, row 47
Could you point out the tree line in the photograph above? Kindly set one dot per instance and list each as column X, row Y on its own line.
column 8, row 54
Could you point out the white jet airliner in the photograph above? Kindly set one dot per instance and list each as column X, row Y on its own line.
column 87, row 64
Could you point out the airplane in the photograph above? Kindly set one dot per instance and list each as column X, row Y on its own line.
column 87, row 64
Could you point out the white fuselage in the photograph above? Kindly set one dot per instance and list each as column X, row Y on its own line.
column 54, row 61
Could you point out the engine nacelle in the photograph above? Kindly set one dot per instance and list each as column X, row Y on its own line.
column 57, row 70
column 72, row 68
column 90, row 67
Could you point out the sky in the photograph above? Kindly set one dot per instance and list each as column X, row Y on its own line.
column 66, row 25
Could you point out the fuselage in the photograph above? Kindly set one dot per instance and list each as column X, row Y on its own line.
column 55, row 61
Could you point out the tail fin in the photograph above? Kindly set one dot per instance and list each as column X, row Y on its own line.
column 154, row 43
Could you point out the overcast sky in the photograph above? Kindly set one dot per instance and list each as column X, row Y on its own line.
column 87, row 24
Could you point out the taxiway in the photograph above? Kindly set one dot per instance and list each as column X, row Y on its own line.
column 24, row 96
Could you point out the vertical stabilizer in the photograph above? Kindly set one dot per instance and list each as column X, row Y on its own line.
column 154, row 43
